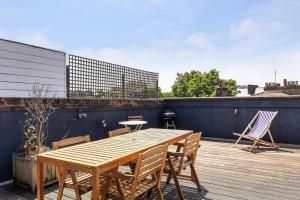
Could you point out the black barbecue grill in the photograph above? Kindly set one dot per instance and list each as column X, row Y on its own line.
column 169, row 119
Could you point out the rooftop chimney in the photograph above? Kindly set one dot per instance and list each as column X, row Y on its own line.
column 285, row 83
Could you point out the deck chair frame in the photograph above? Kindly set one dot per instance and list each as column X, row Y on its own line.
column 259, row 140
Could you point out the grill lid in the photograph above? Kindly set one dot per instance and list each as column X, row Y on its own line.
column 168, row 114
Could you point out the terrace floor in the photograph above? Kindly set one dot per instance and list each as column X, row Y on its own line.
column 225, row 173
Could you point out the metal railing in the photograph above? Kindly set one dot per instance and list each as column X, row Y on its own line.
column 89, row 78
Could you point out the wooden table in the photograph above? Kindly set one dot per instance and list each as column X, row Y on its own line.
column 100, row 156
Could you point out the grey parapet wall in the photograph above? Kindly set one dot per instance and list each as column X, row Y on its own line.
column 215, row 117
column 23, row 65
column 220, row 117
column 65, row 121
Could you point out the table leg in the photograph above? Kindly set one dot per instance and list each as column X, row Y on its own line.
column 139, row 127
column 40, row 179
column 96, row 185
column 136, row 128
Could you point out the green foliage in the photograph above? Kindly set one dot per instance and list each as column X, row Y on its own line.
column 201, row 84
column 166, row 94
column 232, row 87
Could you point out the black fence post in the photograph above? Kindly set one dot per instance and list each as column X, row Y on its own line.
column 68, row 81
column 157, row 90
column 123, row 86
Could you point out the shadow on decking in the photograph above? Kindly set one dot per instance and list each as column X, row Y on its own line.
column 224, row 173
column 265, row 149
column 169, row 191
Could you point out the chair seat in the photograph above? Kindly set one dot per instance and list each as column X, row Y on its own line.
column 84, row 182
column 126, row 183
column 176, row 164
column 244, row 136
column 181, row 144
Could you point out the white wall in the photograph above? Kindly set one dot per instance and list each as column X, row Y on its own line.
column 22, row 65
column 244, row 91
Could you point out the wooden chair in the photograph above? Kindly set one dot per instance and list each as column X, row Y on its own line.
column 258, row 128
column 136, row 118
column 80, row 182
column 118, row 132
column 178, row 162
column 147, row 176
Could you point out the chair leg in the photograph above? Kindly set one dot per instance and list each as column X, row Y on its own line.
column 238, row 140
column 74, row 179
column 178, row 188
column 132, row 167
column 178, row 148
column 149, row 193
column 120, row 189
column 272, row 140
column 62, row 173
column 106, row 187
column 159, row 193
column 60, row 191
column 253, row 145
column 195, row 177
column 169, row 178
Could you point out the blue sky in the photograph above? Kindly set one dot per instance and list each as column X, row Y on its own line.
column 243, row 39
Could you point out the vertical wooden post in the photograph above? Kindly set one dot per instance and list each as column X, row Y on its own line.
column 40, row 179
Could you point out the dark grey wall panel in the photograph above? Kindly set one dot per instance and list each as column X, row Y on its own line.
column 216, row 117
column 66, row 121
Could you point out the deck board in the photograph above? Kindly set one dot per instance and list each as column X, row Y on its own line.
column 225, row 173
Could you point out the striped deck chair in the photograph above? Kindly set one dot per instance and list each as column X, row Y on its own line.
column 258, row 128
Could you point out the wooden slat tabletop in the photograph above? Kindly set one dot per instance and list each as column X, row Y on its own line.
column 103, row 155
column 95, row 154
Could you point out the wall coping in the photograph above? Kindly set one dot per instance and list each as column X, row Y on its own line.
column 229, row 98
column 14, row 104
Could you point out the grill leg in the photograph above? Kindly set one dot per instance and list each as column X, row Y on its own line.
column 173, row 125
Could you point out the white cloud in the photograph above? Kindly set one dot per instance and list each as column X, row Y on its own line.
column 200, row 40
column 34, row 37
column 40, row 39
column 3, row 34
column 257, row 32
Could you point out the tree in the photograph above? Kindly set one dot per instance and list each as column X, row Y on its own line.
column 166, row 94
column 232, row 87
column 38, row 110
column 201, row 84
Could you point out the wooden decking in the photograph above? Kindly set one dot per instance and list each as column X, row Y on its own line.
column 225, row 173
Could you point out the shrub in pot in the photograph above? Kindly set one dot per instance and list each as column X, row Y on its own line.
column 35, row 127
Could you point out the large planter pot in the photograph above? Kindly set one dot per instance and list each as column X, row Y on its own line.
column 24, row 172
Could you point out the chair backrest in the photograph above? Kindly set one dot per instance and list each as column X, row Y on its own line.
column 136, row 118
column 152, row 163
column 71, row 141
column 262, row 123
column 190, row 149
column 118, row 132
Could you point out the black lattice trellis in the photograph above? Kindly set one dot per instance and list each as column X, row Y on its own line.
column 88, row 78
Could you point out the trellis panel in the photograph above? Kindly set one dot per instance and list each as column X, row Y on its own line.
column 89, row 78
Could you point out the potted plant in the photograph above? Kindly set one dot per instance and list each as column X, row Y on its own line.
column 38, row 109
